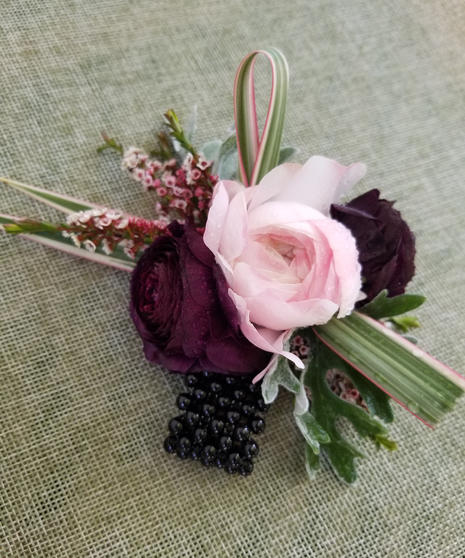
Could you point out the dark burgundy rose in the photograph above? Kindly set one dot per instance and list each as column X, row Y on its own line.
column 181, row 308
column 385, row 243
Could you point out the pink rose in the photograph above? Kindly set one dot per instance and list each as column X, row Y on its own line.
column 287, row 263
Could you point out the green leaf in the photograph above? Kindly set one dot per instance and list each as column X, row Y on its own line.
column 230, row 144
column 311, row 430
column 390, row 445
column 258, row 157
column 383, row 306
column 110, row 143
column 424, row 386
column 211, row 151
column 57, row 201
column 286, row 153
column 228, row 166
column 312, row 462
column 328, row 408
column 405, row 323
column 281, row 375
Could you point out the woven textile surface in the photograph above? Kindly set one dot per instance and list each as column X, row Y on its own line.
column 83, row 415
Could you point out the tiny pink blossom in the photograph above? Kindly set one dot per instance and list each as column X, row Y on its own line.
column 199, row 192
column 138, row 174
column 156, row 183
column 160, row 224
column 203, row 164
column 187, row 194
column 147, row 181
column 188, row 161
column 161, row 191
column 195, row 174
column 171, row 164
column 180, row 204
column 177, row 191
column 169, row 180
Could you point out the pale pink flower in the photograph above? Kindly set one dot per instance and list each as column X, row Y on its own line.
column 161, row 191
column 187, row 194
column 286, row 262
column 199, row 192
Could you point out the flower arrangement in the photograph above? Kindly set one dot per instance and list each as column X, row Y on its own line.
column 254, row 276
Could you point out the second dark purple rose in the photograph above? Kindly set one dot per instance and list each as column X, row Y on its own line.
column 182, row 311
column 385, row 243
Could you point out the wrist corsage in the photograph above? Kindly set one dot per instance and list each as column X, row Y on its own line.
column 254, row 275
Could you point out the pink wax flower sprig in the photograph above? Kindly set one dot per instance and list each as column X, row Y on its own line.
column 98, row 227
column 182, row 190
column 183, row 186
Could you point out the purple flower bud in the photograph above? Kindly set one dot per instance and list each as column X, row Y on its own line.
column 385, row 243
column 182, row 311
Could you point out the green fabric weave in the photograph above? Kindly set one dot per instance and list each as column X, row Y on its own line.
column 83, row 415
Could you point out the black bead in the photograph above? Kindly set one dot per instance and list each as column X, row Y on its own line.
column 176, row 426
column 220, row 459
column 191, row 380
column 228, row 429
column 239, row 394
column 242, row 432
column 248, row 410
column 191, row 418
column 196, row 452
column 212, row 398
column 200, row 394
column 225, row 443
column 170, row 444
column 204, row 420
column 230, row 381
column 183, row 401
column 208, row 374
column 230, row 469
column 209, row 452
column 224, row 402
column 257, row 425
column 233, row 417
column 246, row 467
column 216, row 387
column 236, row 405
column 250, row 449
column 216, row 426
column 200, row 435
column 254, row 388
column 183, row 444
column 206, row 462
column 234, row 459
column 208, row 410
column 183, row 454
column 261, row 405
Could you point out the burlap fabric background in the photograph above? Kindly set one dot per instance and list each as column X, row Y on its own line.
column 83, row 416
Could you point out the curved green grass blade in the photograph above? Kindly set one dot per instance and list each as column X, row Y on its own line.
column 61, row 202
column 258, row 157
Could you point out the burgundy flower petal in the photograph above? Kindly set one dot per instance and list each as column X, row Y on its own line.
column 182, row 311
column 385, row 243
